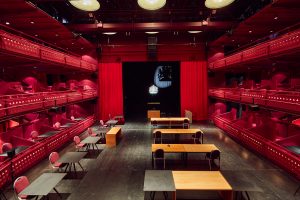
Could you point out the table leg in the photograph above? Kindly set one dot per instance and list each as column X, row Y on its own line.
column 57, row 192
column 152, row 160
column 2, row 194
column 227, row 195
column 75, row 169
column 80, row 166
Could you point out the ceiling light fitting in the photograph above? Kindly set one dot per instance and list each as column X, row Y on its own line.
column 86, row 5
column 151, row 32
column 152, row 4
column 215, row 4
column 194, row 32
column 109, row 33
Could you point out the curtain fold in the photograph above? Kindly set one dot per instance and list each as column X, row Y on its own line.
column 193, row 89
column 110, row 90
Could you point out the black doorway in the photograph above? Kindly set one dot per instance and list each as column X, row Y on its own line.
column 138, row 77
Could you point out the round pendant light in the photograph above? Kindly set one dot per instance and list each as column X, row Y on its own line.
column 86, row 5
column 151, row 4
column 215, row 4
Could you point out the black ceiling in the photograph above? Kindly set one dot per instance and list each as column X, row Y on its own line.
column 128, row 11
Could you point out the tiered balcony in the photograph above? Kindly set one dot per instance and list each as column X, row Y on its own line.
column 286, row 44
column 288, row 101
column 261, row 135
column 17, row 47
column 19, row 104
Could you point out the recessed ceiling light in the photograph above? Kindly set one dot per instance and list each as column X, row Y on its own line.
column 276, row 17
column 271, row 31
column 250, row 31
column 7, row 23
column 73, row 43
column 232, row 40
column 195, row 32
column 215, row 4
column 152, row 4
column 151, row 32
column 36, row 35
column 109, row 33
column 81, row 48
column 32, row 22
column 56, row 35
column 86, row 5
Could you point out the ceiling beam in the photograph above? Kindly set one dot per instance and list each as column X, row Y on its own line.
column 150, row 26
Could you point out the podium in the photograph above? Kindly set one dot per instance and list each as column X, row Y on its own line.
column 153, row 110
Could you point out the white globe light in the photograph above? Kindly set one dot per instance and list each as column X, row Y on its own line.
column 151, row 4
column 86, row 5
column 215, row 4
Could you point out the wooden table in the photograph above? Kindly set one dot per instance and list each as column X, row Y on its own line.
column 169, row 121
column 91, row 141
column 70, row 158
column 43, row 184
column 112, row 135
column 181, row 131
column 202, row 180
column 183, row 148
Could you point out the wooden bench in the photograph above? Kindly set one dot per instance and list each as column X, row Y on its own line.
column 112, row 135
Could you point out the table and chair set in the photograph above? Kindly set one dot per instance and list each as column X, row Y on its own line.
column 167, row 181
column 44, row 184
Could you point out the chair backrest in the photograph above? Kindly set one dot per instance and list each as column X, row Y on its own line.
column 157, row 134
column 186, row 121
column 101, row 122
column 154, row 123
column 76, row 139
column 159, row 153
column 6, row 147
column 53, row 157
column 34, row 134
column 20, row 184
column 198, row 134
column 214, row 154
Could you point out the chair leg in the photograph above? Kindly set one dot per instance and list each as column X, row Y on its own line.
column 297, row 191
column 209, row 162
column 57, row 192
column 164, row 163
column 154, row 163
column 80, row 166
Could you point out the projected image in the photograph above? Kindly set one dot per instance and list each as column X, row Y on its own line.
column 163, row 76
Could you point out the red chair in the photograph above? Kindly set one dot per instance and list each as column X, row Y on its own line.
column 19, row 185
column 102, row 123
column 6, row 147
column 90, row 132
column 78, row 143
column 53, row 158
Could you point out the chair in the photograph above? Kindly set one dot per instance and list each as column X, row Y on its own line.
column 90, row 132
column 53, row 158
column 35, row 136
column 78, row 143
column 186, row 124
column 154, row 124
column 72, row 118
column 157, row 135
column 159, row 154
column 56, row 125
column 198, row 137
column 214, row 154
column 102, row 123
column 6, row 147
column 19, row 185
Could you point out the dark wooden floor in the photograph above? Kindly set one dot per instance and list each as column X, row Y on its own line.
column 118, row 173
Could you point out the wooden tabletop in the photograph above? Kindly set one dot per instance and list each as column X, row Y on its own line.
column 43, row 184
column 177, row 131
column 187, row 148
column 168, row 119
column 200, row 180
column 91, row 140
column 72, row 157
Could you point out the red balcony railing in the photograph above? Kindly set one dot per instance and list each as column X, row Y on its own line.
column 285, row 44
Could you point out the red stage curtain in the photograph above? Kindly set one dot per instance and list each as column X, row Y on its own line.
column 110, row 90
column 193, row 89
